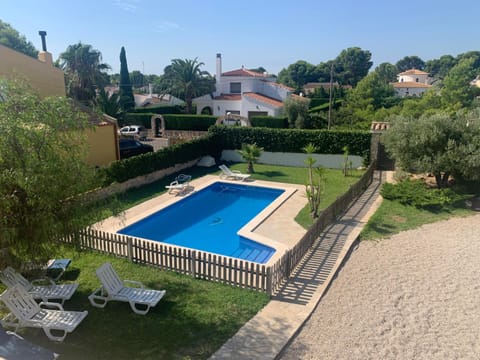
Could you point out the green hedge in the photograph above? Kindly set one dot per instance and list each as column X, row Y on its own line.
column 293, row 140
column 136, row 119
column 161, row 109
column 120, row 171
column 318, row 101
column 224, row 137
column 269, row 122
column 189, row 122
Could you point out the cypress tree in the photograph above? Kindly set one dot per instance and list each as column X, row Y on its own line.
column 127, row 101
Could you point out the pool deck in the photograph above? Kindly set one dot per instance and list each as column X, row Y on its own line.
column 270, row 331
column 275, row 226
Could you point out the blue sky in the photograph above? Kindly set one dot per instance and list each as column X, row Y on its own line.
column 272, row 34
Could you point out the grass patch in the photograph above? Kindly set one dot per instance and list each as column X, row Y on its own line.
column 394, row 216
column 336, row 183
column 192, row 321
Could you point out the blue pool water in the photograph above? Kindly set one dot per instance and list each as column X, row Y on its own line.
column 209, row 220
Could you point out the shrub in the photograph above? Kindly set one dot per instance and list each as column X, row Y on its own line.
column 269, row 122
column 161, row 109
column 120, row 171
column 416, row 193
column 143, row 119
column 189, row 122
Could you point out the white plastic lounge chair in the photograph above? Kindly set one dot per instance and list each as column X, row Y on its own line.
column 232, row 174
column 45, row 293
column 113, row 288
column 180, row 185
column 25, row 312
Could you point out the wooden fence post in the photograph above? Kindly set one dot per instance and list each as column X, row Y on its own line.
column 129, row 249
column 193, row 265
column 269, row 281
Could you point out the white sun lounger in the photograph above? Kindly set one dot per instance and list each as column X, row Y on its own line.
column 113, row 288
column 180, row 185
column 25, row 312
column 45, row 293
column 232, row 174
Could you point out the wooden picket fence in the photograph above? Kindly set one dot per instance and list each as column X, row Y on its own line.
column 208, row 266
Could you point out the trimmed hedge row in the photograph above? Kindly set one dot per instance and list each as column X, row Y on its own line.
column 269, row 122
column 161, row 109
column 224, row 137
column 143, row 119
column 120, row 171
column 189, row 122
column 293, row 140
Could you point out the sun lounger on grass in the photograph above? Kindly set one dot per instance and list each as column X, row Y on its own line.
column 25, row 312
column 113, row 288
column 180, row 185
column 46, row 293
column 232, row 174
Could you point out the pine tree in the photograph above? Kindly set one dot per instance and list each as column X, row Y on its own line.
column 127, row 101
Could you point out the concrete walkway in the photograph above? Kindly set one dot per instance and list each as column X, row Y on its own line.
column 267, row 333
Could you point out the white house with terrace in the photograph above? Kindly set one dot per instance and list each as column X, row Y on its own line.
column 412, row 82
column 243, row 92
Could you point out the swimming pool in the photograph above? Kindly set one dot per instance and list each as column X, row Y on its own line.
column 209, row 220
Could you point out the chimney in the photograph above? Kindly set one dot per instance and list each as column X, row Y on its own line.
column 43, row 35
column 44, row 55
column 218, row 73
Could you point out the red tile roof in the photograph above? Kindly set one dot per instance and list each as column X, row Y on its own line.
column 245, row 72
column 264, row 99
column 229, row 97
column 413, row 72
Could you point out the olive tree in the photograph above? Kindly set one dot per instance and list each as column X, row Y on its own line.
column 439, row 144
column 42, row 172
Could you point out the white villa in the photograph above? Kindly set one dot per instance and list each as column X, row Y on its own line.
column 243, row 92
column 412, row 82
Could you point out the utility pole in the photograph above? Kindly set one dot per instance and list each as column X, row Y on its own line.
column 330, row 99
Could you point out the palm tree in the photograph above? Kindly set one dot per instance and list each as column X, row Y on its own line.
column 84, row 71
column 109, row 104
column 251, row 153
column 185, row 79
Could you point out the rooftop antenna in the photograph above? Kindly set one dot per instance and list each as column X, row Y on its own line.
column 43, row 34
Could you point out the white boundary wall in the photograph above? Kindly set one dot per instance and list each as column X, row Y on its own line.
column 295, row 159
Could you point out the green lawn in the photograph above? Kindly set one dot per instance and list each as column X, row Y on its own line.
column 194, row 318
column 393, row 217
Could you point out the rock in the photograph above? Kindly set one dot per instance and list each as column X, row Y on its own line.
column 206, row 161
column 473, row 203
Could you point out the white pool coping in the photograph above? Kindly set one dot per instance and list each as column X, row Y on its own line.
column 115, row 223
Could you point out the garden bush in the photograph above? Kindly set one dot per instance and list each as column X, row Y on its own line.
column 143, row 119
column 161, row 109
column 418, row 194
column 189, row 122
column 120, row 171
column 269, row 122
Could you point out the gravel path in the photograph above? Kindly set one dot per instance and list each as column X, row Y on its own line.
column 413, row 296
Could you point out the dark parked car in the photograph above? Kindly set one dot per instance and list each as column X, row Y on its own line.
column 131, row 147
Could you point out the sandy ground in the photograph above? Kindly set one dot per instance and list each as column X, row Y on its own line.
column 413, row 296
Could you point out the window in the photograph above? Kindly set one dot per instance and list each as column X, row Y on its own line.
column 235, row 88
column 416, row 80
